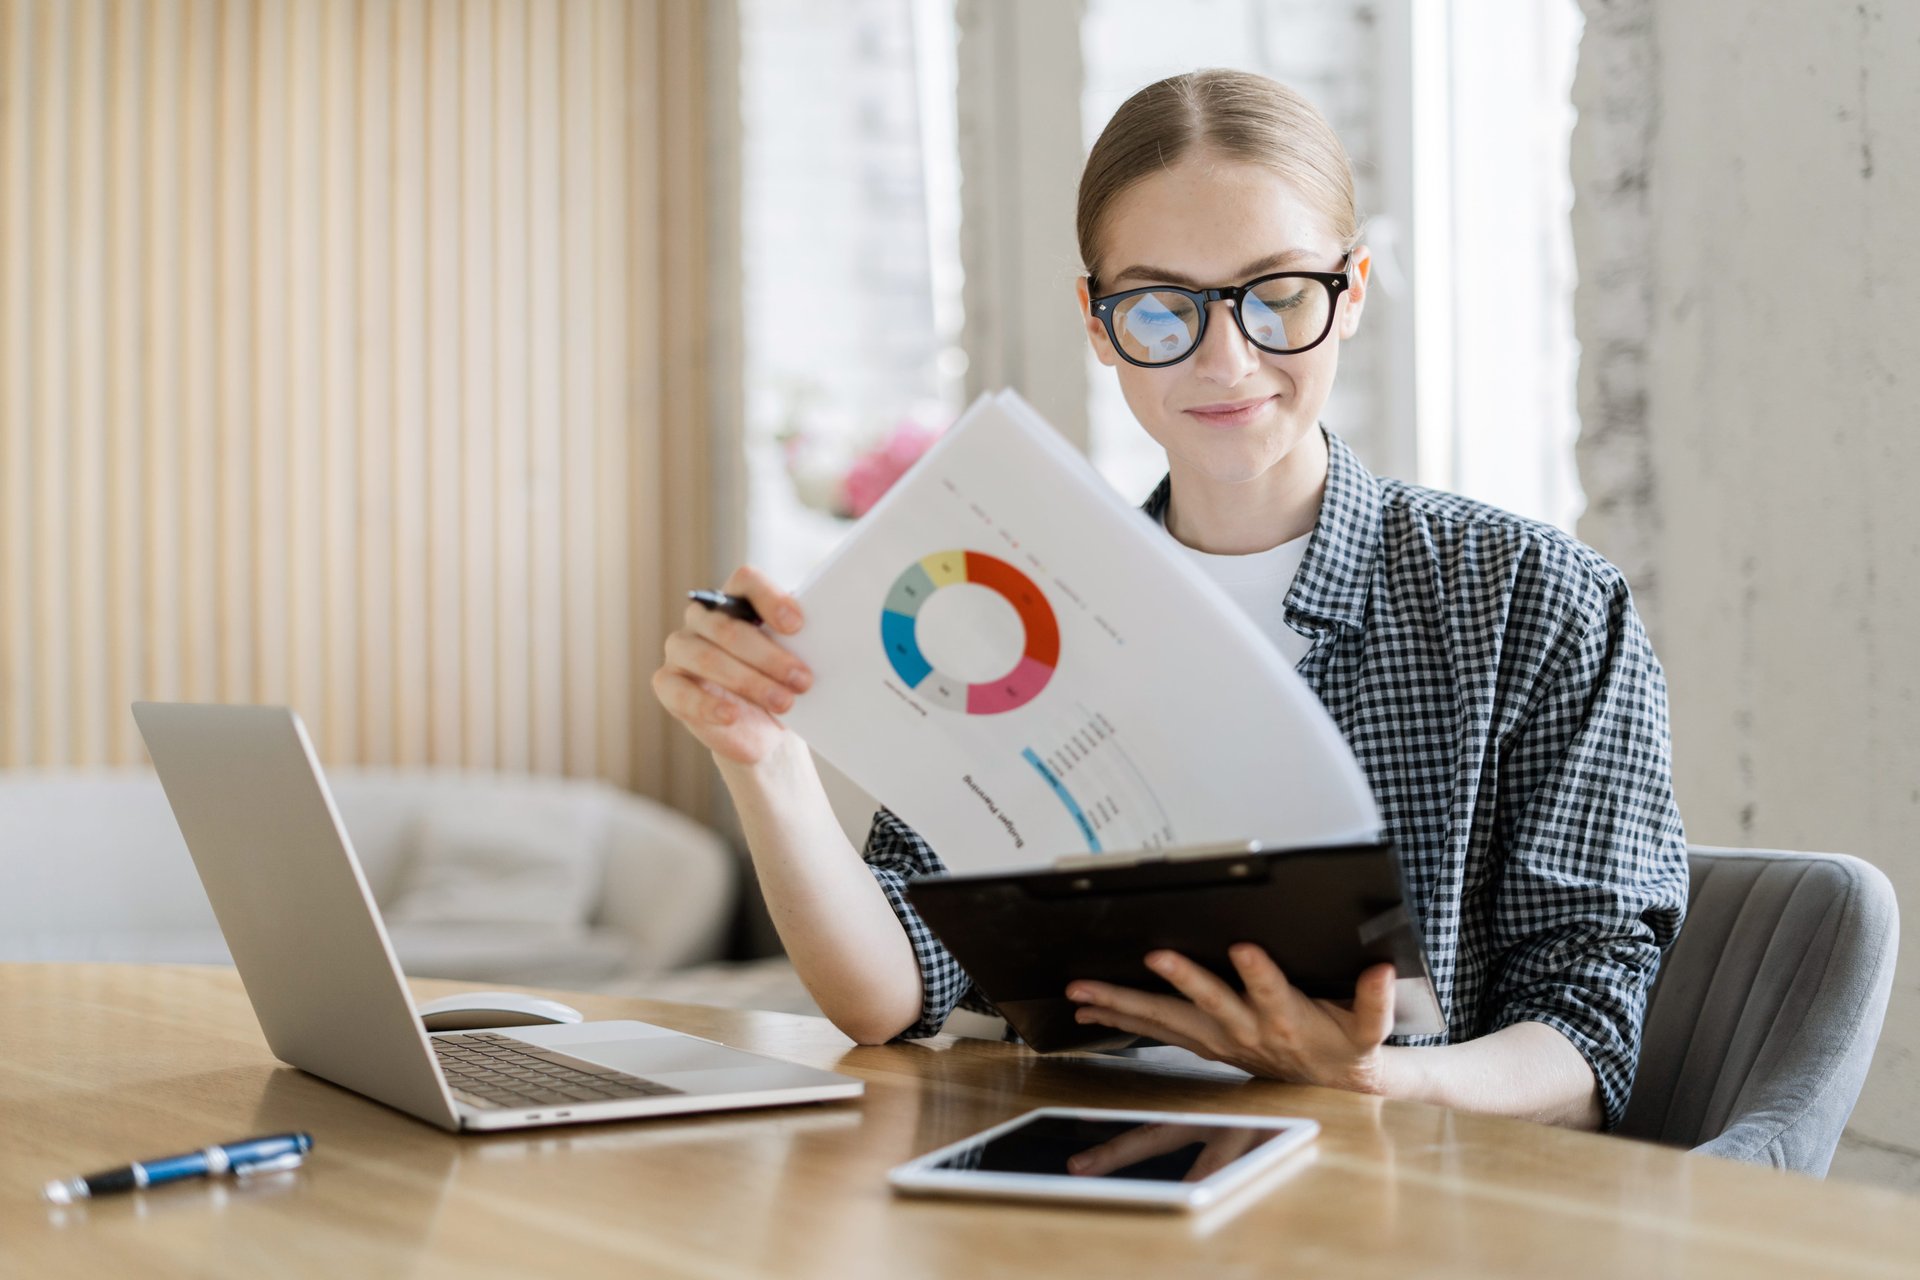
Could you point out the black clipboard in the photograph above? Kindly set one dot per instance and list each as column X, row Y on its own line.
column 1324, row 914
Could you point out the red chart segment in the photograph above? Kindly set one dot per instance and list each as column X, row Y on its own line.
column 899, row 632
column 1043, row 633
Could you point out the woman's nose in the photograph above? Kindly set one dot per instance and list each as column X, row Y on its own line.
column 1225, row 356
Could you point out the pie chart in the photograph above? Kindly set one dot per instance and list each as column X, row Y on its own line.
column 905, row 609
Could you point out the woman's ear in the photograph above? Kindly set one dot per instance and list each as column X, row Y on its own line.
column 1359, row 273
column 1096, row 331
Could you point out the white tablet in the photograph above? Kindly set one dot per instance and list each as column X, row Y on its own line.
column 1151, row 1159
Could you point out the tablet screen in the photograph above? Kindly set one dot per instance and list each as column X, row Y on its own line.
column 1080, row 1147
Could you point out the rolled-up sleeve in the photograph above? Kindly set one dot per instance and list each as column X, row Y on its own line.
column 1593, row 883
column 895, row 854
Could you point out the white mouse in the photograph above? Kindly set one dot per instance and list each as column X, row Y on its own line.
column 477, row 1010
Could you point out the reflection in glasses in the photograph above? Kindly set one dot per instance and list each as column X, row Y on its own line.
column 1284, row 314
column 1160, row 333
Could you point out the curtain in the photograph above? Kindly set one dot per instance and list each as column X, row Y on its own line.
column 351, row 357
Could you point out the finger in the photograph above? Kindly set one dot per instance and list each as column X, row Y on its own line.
column 1219, row 1153
column 1268, row 990
column 1206, row 1164
column 748, row 643
column 701, row 657
column 1372, row 1018
column 686, row 701
column 1144, row 1027
column 776, row 608
column 740, row 705
column 1210, row 995
column 742, row 709
column 1131, row 1147
column 1174, row 1012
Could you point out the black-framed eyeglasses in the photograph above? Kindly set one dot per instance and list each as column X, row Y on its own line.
column 1284, row 313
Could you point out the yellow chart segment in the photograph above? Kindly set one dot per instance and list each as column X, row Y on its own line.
column 946, row 568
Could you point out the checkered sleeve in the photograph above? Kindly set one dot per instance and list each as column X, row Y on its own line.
column 895, row 854
column 1593, row 883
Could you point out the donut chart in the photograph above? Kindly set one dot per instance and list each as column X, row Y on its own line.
column 899, row 622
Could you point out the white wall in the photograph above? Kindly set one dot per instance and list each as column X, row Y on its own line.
column 1770, row 177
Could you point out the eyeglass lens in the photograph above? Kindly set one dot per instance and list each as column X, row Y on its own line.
column 1280, row 315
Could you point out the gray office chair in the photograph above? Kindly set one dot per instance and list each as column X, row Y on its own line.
column 1764, row 1015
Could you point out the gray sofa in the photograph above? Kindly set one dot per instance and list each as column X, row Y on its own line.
column 612, row 888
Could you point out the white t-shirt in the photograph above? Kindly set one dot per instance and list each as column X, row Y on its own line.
column 1259, row 584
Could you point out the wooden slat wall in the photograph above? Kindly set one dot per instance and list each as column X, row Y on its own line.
column 335, row 370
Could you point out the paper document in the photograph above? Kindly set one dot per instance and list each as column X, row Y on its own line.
column 1019, row 663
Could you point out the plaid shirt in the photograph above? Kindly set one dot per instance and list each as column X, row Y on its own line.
column 1502, row 698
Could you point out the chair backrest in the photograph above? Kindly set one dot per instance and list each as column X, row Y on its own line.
column 1763, row 1018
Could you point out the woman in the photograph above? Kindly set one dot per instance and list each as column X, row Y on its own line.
column 1490, row 673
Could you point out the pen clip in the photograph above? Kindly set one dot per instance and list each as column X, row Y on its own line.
column 275, row 1164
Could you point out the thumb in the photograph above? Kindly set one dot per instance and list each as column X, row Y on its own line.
column 1373, row 1006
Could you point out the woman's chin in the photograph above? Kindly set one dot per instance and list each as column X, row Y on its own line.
column 1222, row 471
column 1235, row 460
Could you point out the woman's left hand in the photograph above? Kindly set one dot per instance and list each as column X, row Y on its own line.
column 1273, row 1030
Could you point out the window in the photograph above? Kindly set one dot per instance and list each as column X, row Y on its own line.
column 851, row 266
column 1492, row 199
column 1456, row 114
column 1328, row 52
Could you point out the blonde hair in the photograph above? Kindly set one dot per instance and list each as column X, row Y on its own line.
column 1238, row 115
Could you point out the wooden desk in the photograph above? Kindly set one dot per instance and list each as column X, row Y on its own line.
column 104, row 1063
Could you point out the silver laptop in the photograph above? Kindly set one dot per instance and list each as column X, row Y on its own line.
column 314, row 956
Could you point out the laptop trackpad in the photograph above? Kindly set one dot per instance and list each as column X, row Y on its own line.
column 642, row 1049
column 652, row 1058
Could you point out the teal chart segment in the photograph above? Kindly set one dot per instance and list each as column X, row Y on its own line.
column 1066, row 797
column 899, row 633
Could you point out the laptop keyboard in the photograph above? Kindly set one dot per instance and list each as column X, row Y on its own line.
column 493, row 1071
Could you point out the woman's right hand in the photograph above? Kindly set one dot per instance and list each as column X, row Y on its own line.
column 729, row 681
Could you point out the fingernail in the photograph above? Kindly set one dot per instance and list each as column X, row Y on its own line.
column 1083, row 1015
column 799, row 678
column 1159, row 963
column 790, row 618
column 1076, row 993
column 782, row 700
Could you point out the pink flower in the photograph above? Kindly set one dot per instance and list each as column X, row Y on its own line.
column 874, row 472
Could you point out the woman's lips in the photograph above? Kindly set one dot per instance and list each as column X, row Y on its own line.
column 1231, row 416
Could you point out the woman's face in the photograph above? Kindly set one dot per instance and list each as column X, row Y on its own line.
column 1230, row 411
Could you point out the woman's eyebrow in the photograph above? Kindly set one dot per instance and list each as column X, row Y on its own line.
column 1160, row 275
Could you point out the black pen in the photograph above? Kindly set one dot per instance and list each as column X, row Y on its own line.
column 248, row 1156
column 733, row 606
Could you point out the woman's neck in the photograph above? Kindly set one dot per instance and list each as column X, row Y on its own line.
column 1243, row 517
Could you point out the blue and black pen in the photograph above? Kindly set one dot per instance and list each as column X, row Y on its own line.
column 240, row 1159
column 733, row 606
